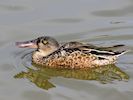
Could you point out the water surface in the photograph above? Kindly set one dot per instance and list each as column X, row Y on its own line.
column 101, row 22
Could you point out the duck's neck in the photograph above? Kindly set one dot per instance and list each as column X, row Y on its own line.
column 39, row 55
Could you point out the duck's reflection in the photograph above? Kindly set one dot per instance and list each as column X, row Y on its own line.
column 105, row 74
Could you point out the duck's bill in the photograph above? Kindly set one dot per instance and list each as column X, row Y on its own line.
column 27, row 44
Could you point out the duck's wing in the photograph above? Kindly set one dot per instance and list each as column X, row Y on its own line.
column 113, row 48
column 83, row 46
column 110, row 48
column 104, row 54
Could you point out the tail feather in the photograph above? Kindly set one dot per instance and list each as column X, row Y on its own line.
column 110, row 57
column 106, row 54
column 119, row 45
column 120, row 53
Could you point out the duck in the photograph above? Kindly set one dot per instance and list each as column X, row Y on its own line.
column 70, row 55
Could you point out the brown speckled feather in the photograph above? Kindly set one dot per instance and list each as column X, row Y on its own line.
column 74, row 60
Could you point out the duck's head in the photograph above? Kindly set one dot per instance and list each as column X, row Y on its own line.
column 44, row 45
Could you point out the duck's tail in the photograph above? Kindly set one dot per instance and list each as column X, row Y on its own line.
column 117, row 54
column 106, row 54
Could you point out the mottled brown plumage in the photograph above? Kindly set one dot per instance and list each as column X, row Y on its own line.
column 75, row 60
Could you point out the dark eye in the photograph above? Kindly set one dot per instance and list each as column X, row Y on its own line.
column 44, row 41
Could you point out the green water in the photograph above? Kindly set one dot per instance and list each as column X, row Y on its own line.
column 41, row 76
column 100, row 22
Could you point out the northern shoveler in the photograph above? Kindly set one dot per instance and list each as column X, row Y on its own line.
column 71, row 55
